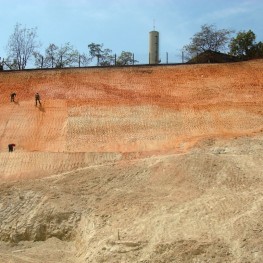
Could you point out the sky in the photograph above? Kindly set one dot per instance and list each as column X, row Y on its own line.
column 124, row 25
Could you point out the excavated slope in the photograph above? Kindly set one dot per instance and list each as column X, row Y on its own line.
column 137, row 164
column 131, row 109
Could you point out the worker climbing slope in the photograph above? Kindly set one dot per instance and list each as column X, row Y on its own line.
column 12, row 96
column 37, row 98
column 11, row 147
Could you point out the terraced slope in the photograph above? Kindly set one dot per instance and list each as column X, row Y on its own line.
column 135, row 164
column 142, row 109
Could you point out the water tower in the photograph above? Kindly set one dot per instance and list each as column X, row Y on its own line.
column 154, row 47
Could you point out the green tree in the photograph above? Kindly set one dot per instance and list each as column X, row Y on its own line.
column 57, row 57
column 125, row 58
column 107, row 58
column 209, row 38
column 256, row 51
column 47, row 60
column 67, row 56
column 96, row 50
column 21, row 46
column 84, row 60
column 104, row 56
column 242, row 43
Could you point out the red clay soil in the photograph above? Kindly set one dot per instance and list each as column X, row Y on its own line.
column 157, row 164
column 129, row 109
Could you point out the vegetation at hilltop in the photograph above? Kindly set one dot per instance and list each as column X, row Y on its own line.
column 57, row 57
column 23, row 46
column 243, row 45
column 209, row 38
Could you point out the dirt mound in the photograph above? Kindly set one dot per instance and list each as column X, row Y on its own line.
column 201, row 206
column 133, row 164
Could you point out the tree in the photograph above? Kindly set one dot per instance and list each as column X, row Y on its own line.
column 65, row 56
column 104, row 56
column 9, row 64
column 2, row 64
column 95, row 50
column 125, row 58
column 21, row 46
column 84, row 60
column 107, row 59
column 208, row 39
column 47, row 60
column 256, row 51
column 242, row 43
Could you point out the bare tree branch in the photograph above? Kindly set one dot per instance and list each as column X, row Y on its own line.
column 21, row 46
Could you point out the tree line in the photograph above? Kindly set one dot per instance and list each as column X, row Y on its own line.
column 243, row 45
column 23, row 46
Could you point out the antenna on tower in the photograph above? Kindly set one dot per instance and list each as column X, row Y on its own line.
column 153, row 24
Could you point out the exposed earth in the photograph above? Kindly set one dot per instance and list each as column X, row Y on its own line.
column 136, row 164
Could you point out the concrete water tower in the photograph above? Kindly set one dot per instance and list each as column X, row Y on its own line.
column 154, row 47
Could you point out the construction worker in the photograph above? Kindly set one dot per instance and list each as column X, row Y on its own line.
column 13, row 96
column 37, row 98
column 11, row 147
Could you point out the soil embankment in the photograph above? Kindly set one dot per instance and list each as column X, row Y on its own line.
column 133, row 164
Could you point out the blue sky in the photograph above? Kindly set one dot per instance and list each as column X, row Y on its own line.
column 124, row 25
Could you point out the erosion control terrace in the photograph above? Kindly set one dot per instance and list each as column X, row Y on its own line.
column 129, row 109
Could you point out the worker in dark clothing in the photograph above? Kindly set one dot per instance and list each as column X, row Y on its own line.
column 13, row 96
column 37, row 98
column 11, row 147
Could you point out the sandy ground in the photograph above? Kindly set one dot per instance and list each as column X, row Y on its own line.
column 160, row 164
